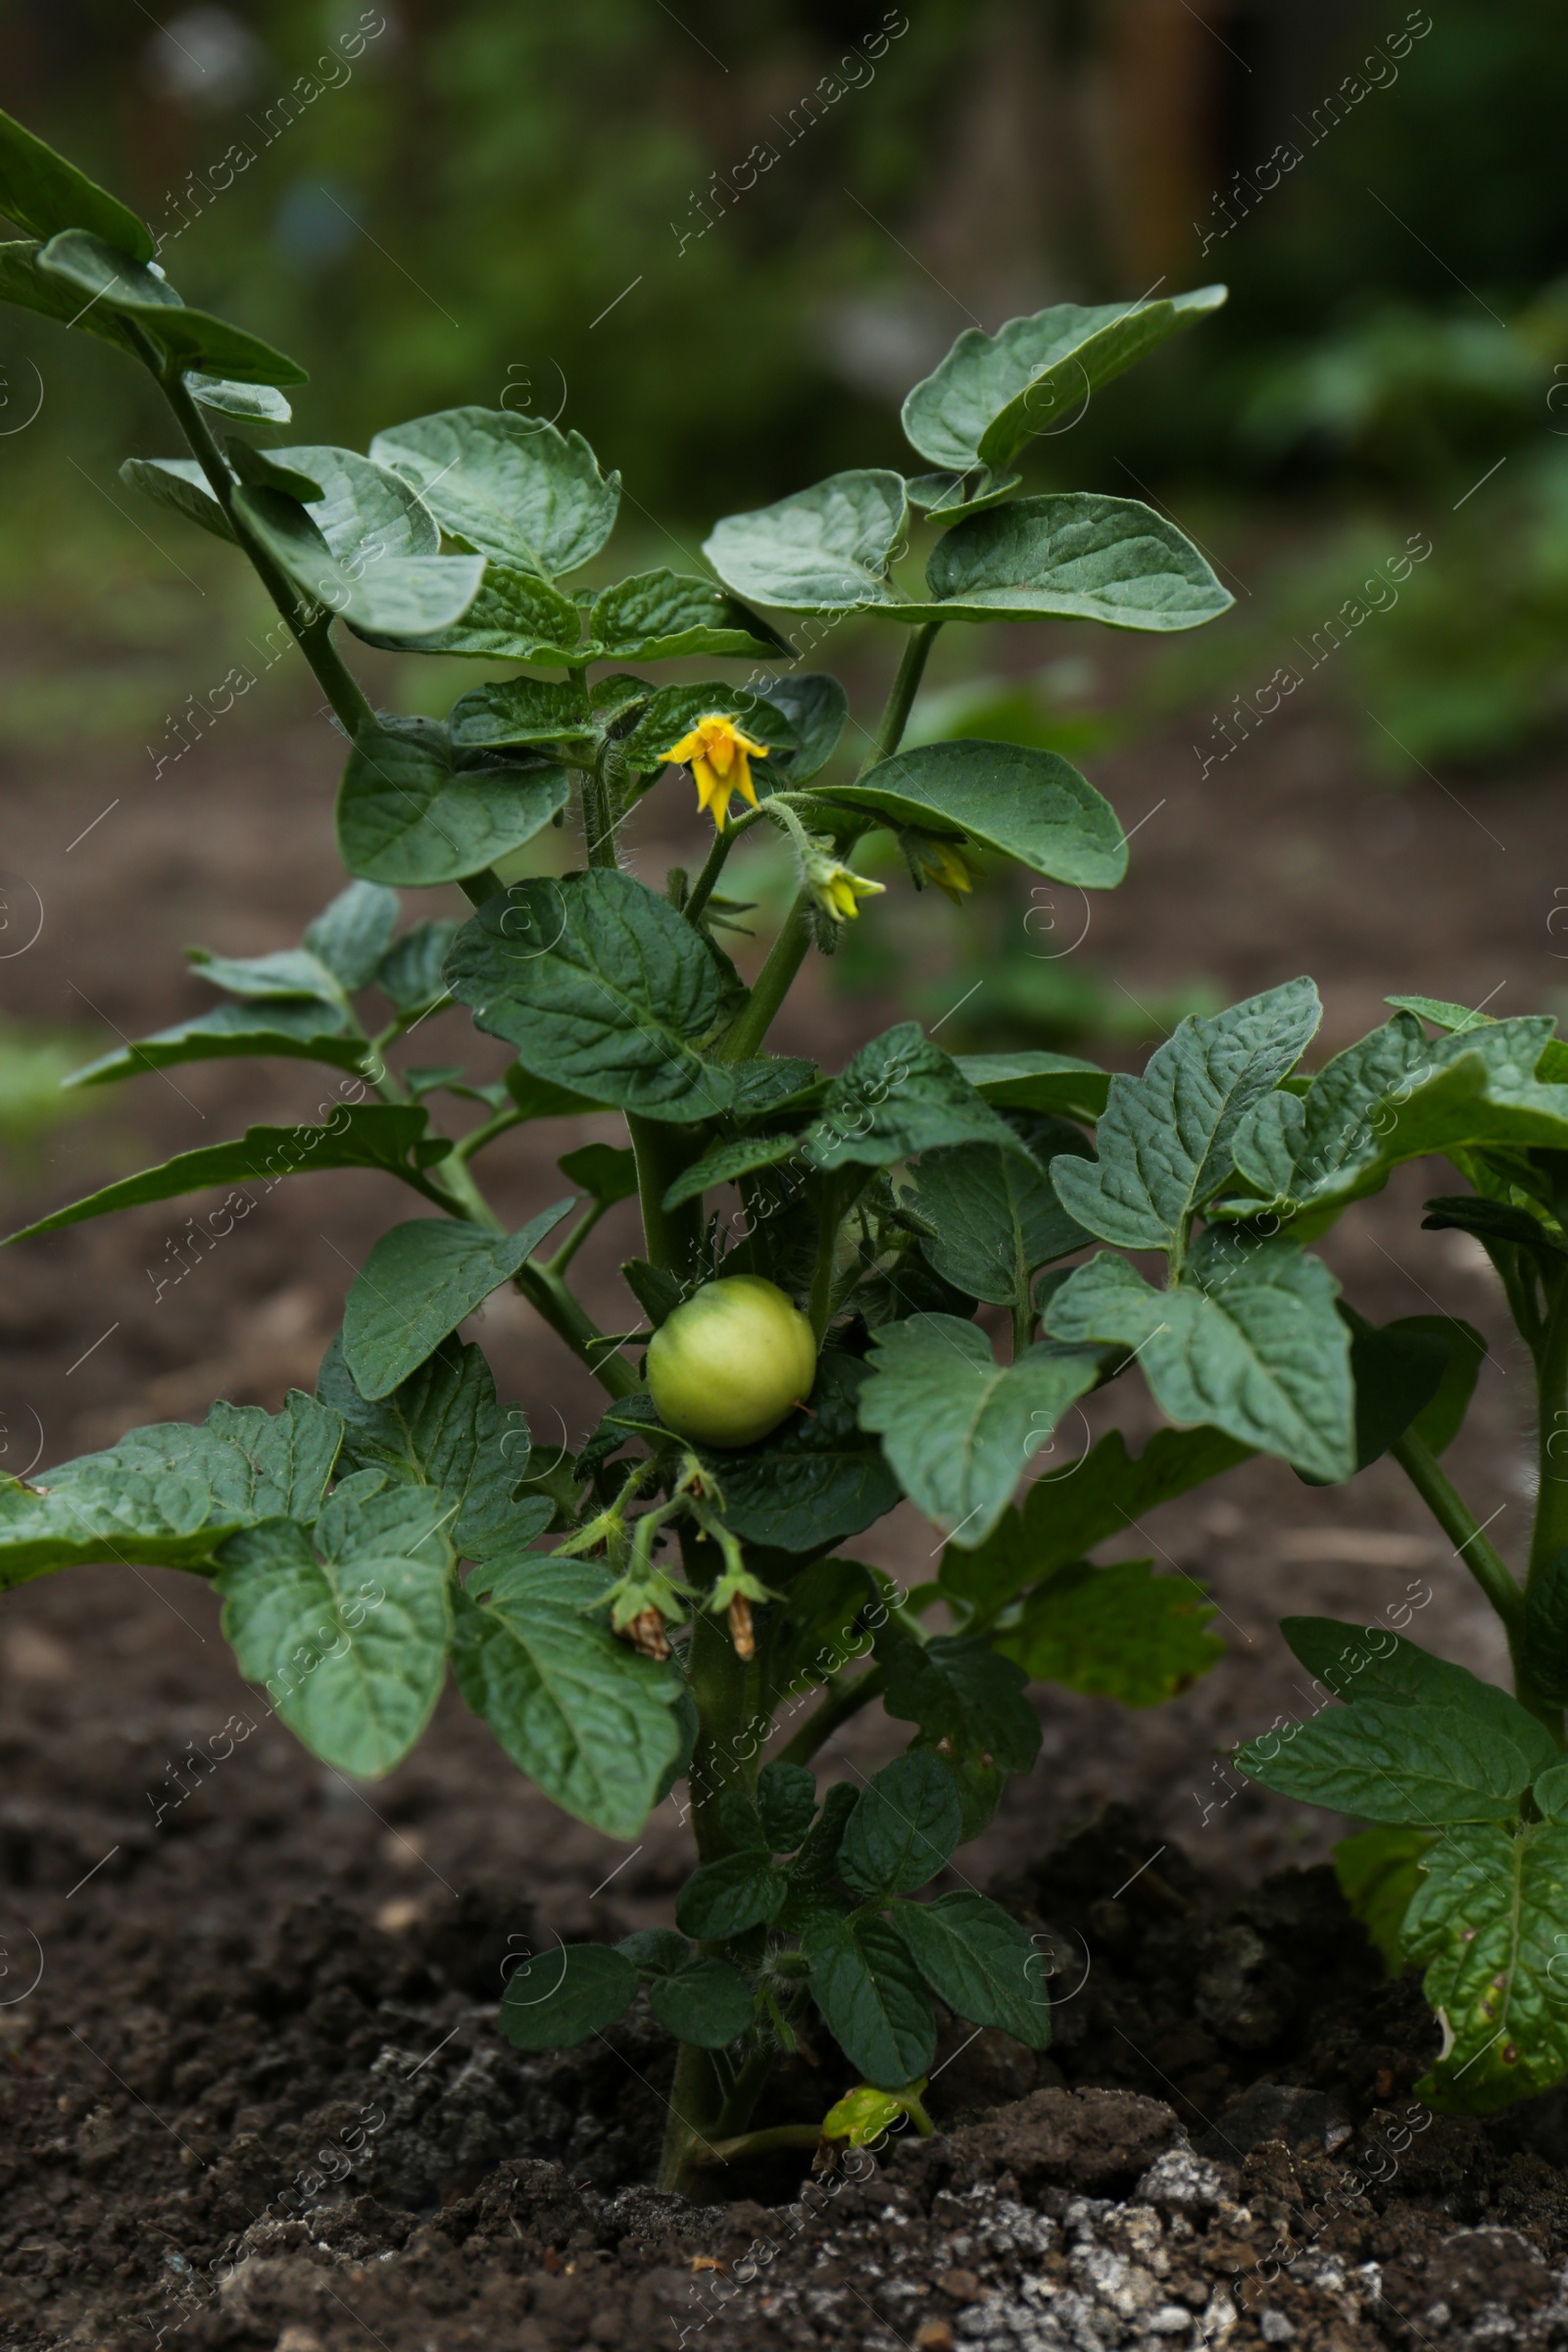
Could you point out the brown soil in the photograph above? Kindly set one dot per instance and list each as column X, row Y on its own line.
column 203, row 2026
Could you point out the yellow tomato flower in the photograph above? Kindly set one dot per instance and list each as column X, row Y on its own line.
column 836, row 890
column 720, row 758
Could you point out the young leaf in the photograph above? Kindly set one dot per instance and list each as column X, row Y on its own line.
column 899, row 1095
column 1357, row 1664
column 980, row 1962
column 817, row 1860
column 442, row 1428
column 871, row 1998
column 1067, row 1512
column 515, row 617
column 1048, row 1082
column 723, row 1163
column 592, row 1724
column 352, row 935
column 284, row 973
column 389, row 599
column 1024, row 804
column 418, row 1282
column 43, row 193
column 1166, row 1140
column 1117, row 1633
column 664, row 617
column 1250, row 1342
column 348, row 1626
column 956, row 1426
column 300, row 1030
column 816, row 1478
column 948, row 497
column 817, row 710
column 557, row 1999
column 179, row 484
column 112, row 281
column 413, row 808
column 1392, row 1763
column 512, row 487
column 522, row 711
column 961, row 1692
column 707, row 2003
column 905, row 1825
column 1489, row 1922
column 390, row 1137
column 1379, row 1871
column 786, row 1799
column 1072, row 555
column 823, row 550
column 994, row 393
column 602, row 988
column 997, row 1219
column 261, row 402
column 724, row 1898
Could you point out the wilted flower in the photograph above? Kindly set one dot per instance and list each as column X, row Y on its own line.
column 720, row 758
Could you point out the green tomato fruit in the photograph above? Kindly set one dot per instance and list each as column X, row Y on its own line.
column 730, row 1363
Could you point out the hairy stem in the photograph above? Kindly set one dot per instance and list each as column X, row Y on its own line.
column 701, row 890
column 901, row 696
column 570, row 1319
column 673, row 1237
column 840, row 1700
column 696, row 2102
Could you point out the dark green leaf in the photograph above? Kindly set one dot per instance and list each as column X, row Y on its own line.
column 957, row 1427
column 656, row 1951
column 786, row 1797
column 179, row 484
column 1493, row 1221
column 980, row 1962
column 112, row 281
column 1491, row 1924
column 948, row 497
column 386, row 599
column 741, row 1822
column 410, row 974
column 815, row 1478
column 1379, row 1871
column 512, row 487
column 1166, row 1139
column 599, row 986
column 347, row 1625
column 722, row 1163
column 515, row 617
column 285, row 972
column 823, row 550
column 43, row 193
column 1392, row 1763
column 997, row 1219
column 443, row 1429
column 351, row 937
column 419, row 1282
column 30, row 288
column 523, row 710
column 994, row 393
column 664, row 616
column 1397, row 1372
column 905, row 1826
column 706, row 2002
column 1358, row 1663
column 1028, row 804
column 264, row 468
column 561, row 1998
column 387, row 1136
column 1046, row 1082
column 833, row 1607
column 1117, row 1633
column 1072, row 555
column 724, row 1898
column 1545, row 1652
column 592, row 1724
column 606, row 1173
column 412, row 809
column 674, row 710
column 871, row 1997
column 959, row 1691
column 817, row 1860
column 901, row 1094
column 818, row 708
column 362, row 509
column 304, row 1031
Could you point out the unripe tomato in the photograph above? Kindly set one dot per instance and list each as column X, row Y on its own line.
column 728, row 1364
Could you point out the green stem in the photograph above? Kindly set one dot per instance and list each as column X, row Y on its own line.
column 696, row 2102
column 1550, row 1533
column 673, row 1237
column 701, row 889
column 576, row 1239
column 1456, row 1520
column 840, row 1701
column 758, row 2144
column 477, row 1136
column 901, row 696
column 568, row 1317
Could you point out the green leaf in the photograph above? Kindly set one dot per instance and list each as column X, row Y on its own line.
column 1117, row 1633
column 1544, row 1653
column 674, row 710
column 442, row 1428
column 1357, row 1663
column 411, row 809
column 823, row 550
column 1166, row 1139
column 512, row 487
column 262, row 467
column 305, row 1032
column 656, row 1951
column 816, row 1478
column 605, row 1172
column 1071, row 555
column 260, row 402
column 1024, row 804
column 905, row 1826
column 285, row 972
column 388, row 600
column 1396, row 1373
column 592, row 1724
column 961, row 1692
column 664, row 617
column 167, row 1496
column 1443, row 1012
column 1049, row 1082
column 994, row 393
column 387, row 1136
column 352, row 935
column 786, row 1799
column 1067, row 1512
column 997, row 1219
column 1551, row 1791
column 179, row 484
column 817, row 710
column 1379, row 1871
column 358, row 508
column 30, row 288
column 899, row 1095
column 957, row 1427
column 419, row 1282
column 722, row 1163
column 561, row 1998
column 980, row 1962
column 112, row 281
column 43, row 193
column 602, row 988
column 347, row 1627
column 1490, row 1923
column 410, row 974
column 523, row 710
column 871, row 1998
column 707, row 2003
column 1491, row 1222
column 947, row 497
column 1249, row 1342
column 515, row 617
column 1394, row 1763
column 724, row 1898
